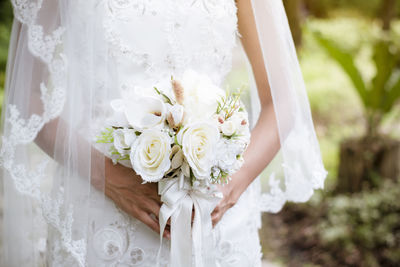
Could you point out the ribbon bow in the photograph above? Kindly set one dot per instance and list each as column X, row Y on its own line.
column 178, row 198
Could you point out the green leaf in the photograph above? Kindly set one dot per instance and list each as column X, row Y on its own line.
column 385, row 62
column 105, row 136
column 235, row 135
column 392, row 96
column 346, row 60
column 158, row 91
column 166, row 98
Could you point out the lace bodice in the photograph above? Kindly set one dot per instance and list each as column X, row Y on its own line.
column 154, row 39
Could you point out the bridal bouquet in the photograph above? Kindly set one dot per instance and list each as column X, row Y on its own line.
column 187, row 137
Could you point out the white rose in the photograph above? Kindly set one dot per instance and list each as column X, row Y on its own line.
column 145, row 112
column 198, row 143
column 150, row 155
column 123, row 140
column 228, row 127
column 200, row 95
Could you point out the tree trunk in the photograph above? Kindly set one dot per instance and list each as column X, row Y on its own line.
column 363, row 162
column 316, row 8
column 293, row 10
column 387, row 14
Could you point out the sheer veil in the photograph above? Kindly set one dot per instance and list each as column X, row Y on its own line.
column 53, row 177
column 297, row 169
column 53, row 88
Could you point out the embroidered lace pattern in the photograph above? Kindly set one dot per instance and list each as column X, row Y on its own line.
column 296, row 188
column 24, row 131
column 172, row 21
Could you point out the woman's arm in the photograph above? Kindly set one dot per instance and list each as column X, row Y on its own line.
column 121, row 184
column 264, row 142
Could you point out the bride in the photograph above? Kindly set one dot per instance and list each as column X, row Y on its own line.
column 67, row 204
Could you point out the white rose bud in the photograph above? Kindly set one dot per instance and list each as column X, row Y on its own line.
column 228, row 128
column 123, row 139
column 130, row 136
column 150, row 155
column 241, row 121
column 175, row 115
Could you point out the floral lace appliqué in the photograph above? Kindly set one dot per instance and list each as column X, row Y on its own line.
column 24, row 131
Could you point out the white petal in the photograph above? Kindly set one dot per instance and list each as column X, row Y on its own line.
column 145, row 112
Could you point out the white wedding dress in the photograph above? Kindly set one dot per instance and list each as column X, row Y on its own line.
column 148, row 42
column 68, row 59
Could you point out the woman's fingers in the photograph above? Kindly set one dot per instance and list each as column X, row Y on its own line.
column 216, row 209
column 150, row 222
column 153, row 207
column 217, row 214
column 153, row 192
column 215, row 218
column 126, row 205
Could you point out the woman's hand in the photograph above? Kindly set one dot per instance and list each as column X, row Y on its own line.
column 125, row 188
column 231, row 194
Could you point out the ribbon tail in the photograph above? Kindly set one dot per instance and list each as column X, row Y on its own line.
column 197, row 236
column 177, row 205
column 204, row 246
column 164, row 215
column 181, row 241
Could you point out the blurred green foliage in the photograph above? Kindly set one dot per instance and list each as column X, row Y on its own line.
column 341, row 230
column 380, row 94
column 370, row 8
column 329, row 89
column 4, row 39
column 5, row 30
column 362, row 229
column 338, row 112
column 6, row 15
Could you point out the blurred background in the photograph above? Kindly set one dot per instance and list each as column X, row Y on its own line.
column 349, row 51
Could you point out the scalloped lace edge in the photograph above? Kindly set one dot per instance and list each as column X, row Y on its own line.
column 23, row 132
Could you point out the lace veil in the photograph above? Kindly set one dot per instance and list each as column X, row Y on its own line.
column 297, row 170
column 55, row 87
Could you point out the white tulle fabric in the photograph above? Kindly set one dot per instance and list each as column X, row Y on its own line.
column 298, row 169
column 67, row 59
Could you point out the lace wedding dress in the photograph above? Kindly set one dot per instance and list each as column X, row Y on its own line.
column 67, row 60
column 149, row 41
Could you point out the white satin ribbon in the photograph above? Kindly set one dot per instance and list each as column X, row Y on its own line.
column 178, row 199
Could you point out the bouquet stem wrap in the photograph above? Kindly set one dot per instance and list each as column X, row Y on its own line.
column 188, row 241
